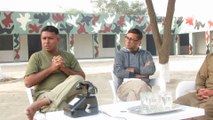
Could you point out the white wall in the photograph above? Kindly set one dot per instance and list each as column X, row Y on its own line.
column 122, row 40
column 23, row 48
column 6, row 56
column 83, row 47
column 143, row 42
column 199, row 43
column 105, row 52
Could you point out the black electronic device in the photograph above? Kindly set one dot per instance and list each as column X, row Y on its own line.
column 83, row 104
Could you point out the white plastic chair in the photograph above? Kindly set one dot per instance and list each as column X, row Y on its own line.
column 30, row 93
column 114, row 95
column 38, row 115
column 153, row 82
column 184, row 87
column 113, row 87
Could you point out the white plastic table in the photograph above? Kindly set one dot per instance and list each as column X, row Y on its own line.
column 119, row 111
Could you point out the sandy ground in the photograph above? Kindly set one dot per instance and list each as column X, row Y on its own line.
column 13, row 98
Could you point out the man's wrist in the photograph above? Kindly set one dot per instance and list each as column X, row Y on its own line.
column 132, row 75
column 210, row 93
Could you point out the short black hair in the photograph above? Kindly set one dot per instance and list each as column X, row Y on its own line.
column 50, row 29
column 136, row 31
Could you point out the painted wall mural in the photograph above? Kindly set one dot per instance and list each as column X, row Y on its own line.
column 207, row 39
column 96, row 45
column 16, row 46
column 18, row 23
column 31, row 23
column 191, row 24
column 71, row 43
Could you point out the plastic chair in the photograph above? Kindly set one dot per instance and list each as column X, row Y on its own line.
column 152, row 82
column 38, row 115
column 30, row 92
column 114, row 87
column 184, row 87
column 115, row 97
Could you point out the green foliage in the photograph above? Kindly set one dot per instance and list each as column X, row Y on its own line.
column 121, row 7
column 74, row 11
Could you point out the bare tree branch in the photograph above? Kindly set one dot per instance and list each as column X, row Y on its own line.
column 162, row 44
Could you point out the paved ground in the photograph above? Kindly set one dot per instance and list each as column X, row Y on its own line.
column 13, row 98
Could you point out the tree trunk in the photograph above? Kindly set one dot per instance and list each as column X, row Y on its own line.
column 162, row 43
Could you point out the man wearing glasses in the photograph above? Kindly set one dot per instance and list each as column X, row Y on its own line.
column 133, row 62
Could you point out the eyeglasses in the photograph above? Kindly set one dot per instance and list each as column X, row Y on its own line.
column 130, row 39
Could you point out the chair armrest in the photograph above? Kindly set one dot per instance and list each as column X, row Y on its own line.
column 115, row 97
column 184, row 87
column 30, row 92
column 153, row 81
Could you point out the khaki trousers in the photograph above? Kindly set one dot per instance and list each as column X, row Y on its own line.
column 190, row 99
column 62, row 94
column 131, row 90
